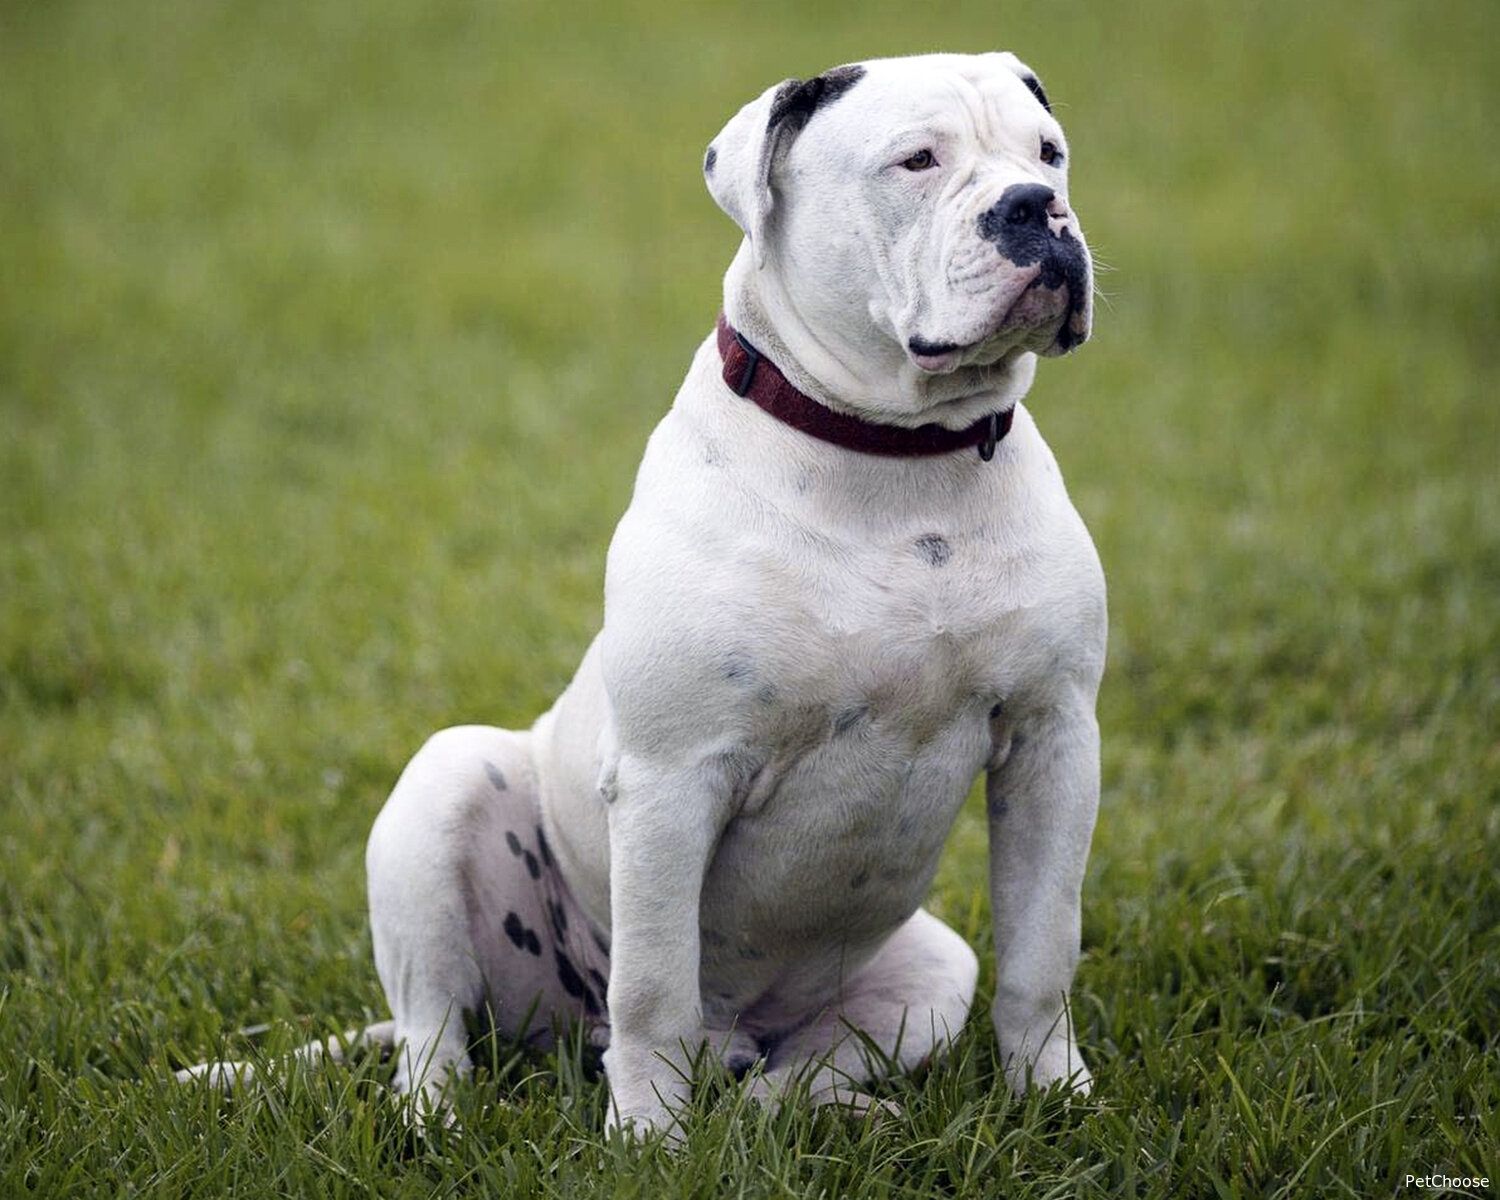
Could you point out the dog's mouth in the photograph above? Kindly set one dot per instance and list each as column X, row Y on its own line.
column 1046, row 314
column 935, row 357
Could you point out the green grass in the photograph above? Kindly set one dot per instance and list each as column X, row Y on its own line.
column 329, row 339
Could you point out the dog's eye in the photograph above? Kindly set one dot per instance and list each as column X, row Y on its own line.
column 1052, row 154
column 922, row 160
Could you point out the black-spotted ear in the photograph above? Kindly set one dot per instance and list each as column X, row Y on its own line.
column 1027, row 76
column 1034, row 86
column 741, row 160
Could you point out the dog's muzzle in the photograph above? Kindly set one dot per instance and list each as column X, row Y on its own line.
column 1029, row 225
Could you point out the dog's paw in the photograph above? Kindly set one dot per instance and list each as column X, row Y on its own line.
column 641, row 1123
column 1058, row 1063
column 646, row 1088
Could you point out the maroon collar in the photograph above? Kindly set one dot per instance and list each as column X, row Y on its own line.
column 755, row 377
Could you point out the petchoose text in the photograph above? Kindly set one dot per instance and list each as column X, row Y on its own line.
column 1447, row 1182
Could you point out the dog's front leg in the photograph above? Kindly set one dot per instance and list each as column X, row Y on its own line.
column 663, row 825
column 1042, row 803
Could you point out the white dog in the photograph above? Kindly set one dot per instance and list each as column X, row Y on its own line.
column 850, row 579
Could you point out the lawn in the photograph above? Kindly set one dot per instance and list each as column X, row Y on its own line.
column 329, row 338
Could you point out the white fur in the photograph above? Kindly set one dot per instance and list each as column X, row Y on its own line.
column 752, row 551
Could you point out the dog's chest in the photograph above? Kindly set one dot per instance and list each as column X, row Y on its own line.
column 883, row 644
column 868, row 719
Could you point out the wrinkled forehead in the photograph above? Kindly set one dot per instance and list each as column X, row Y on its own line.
column 978, row 89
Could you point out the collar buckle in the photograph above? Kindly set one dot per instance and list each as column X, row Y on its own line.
column 991, row 436
column 747, row 373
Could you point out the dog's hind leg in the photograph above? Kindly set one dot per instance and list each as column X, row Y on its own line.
column 467, row 911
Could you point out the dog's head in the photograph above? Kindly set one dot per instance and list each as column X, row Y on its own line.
column 914, row 207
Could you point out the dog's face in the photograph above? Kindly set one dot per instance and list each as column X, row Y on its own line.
column 913, row 206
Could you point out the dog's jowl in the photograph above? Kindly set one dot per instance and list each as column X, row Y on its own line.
column 849, row 581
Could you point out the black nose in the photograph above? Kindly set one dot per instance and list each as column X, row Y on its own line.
column 1021, row 206
column 1018, row 224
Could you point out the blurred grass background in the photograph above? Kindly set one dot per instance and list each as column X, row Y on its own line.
column 329, row 338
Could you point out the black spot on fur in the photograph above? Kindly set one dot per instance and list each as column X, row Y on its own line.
column 797, row 99
column 933, row 549
column 599, row 981
column 739, row 667
column 515, row 930
column 514, row 843
column 559, row 919
column 1034, row 86
column 496, row 777
column 848, row 719
column 541, row 844
column 568, row 976
column 521, row 937
column 997, row 710
column 600, row 940
column 709, row 160
column 533, row 868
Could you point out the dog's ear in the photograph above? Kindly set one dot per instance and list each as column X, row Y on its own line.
column 1027, row 76
column 741, row 162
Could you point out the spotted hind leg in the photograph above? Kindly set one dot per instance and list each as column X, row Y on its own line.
column 468, row 912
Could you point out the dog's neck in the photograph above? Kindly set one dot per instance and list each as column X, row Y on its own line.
column 750, row 374
column 880, row 385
